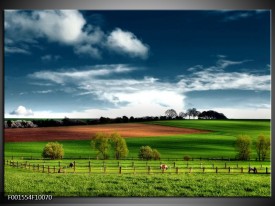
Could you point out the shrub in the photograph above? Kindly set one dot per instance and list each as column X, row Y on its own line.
column 147, row 153
column 186, row 158
column 155, row 154
column 53, row 150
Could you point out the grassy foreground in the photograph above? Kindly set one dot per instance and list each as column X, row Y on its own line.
column 19, row 181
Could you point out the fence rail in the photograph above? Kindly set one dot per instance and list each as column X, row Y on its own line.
column 102, row 168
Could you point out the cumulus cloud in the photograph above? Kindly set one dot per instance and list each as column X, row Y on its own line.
column 68, row 27
column 22, row 111
column 127, row 42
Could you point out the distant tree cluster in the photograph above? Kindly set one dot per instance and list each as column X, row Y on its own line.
column 211, row 115
column 19, row 124
column 193, row 112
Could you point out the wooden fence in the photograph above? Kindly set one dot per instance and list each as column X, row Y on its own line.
column 89, row 168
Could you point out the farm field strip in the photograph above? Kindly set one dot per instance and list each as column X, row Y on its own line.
column 128, row 130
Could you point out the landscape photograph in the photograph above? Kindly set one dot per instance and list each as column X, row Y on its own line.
column 137, row 103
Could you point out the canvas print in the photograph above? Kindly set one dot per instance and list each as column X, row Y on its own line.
column 137, row 103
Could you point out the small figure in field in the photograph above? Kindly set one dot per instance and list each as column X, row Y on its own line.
column 71, row 165
column 163, row 167
column 252, row 169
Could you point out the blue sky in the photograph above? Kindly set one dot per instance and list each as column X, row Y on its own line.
column 87, row 64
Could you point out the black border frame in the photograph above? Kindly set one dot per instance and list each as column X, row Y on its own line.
column 134, row 5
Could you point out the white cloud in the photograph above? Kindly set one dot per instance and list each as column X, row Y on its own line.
column 50, row 57
column 22, row 111
column 87, row 49
column 127, row 42
column 207, row 80
column 12, row 49
column 43, row 91
column 75, row 75
column 69, row 27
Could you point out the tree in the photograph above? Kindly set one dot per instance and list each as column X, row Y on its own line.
column 262, row 147
column 120, row 146
column 190, row 112
column 101, row 142
column 145, row 152
column 243, row 147
column 182, row 114
column 210, row 114
column 53, row 150
column 155, row 154
column 171, row 113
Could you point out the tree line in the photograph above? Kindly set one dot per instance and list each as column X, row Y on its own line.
column 169, row 115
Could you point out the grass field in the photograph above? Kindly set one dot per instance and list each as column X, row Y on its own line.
column 215, row 144
column 100, row 185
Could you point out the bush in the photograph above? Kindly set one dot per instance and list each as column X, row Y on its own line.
column 155, row 154
column 147, row 153
column 186, row 158
column 53, row 150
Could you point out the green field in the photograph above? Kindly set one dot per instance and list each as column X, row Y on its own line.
column 216, row 144
column 19, row 181
column 219, row 142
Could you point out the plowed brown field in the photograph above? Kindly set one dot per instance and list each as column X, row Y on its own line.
column 86, row 132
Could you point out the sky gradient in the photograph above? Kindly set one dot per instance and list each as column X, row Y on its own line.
column 88, row 64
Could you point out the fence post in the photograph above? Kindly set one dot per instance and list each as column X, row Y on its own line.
column 134, row 170
column 59, row 164
column 174, row 164
column 266, row 170
column 228, row 169
column 89, row 166
column 190, row 170
column 241, row 169
column 203, row 169
column 237, row 165
column 225, row 165
column 187, row 165
column 43, row 168
column 74, row 166
column 149, row 169
column 212, row 166
column 177, row 170
column 216, row 169
column 120, row 170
